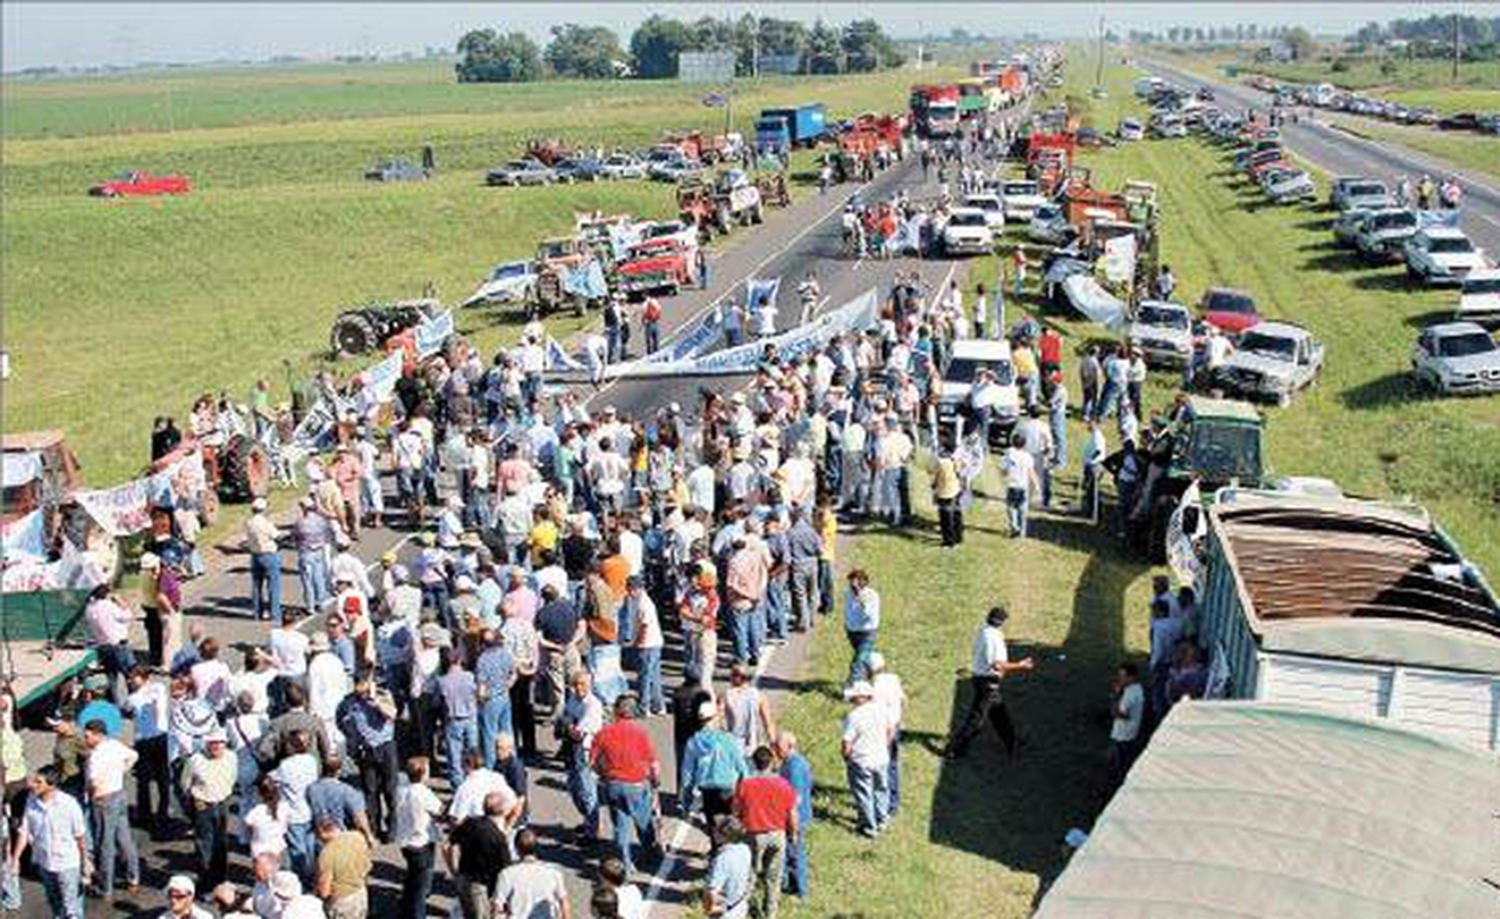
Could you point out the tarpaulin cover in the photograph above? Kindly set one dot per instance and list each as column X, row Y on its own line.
column 1255, row 810
column 21, row 468
column 587, row 281
column 1089, row 298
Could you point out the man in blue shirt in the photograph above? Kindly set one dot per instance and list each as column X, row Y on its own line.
column 726, row 894
column 798, row 772
column 861, row 622
column 331, row 798
column 494, row 673
column 712, row 766
column 369, row 728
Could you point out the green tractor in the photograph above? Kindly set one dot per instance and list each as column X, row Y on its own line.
column 1220, row 446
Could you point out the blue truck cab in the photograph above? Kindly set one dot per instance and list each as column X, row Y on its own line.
column 781, row 129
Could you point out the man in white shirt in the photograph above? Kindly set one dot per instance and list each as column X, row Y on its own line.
column 991, row 665
column 867, row 738
column 890, row 695
column 1125, row 729
column 414, row 831
column 109, row 761
column 479, row 783
column 1020, row 477
column 609, row 472
column 53, row 829
column 327, row 683
column 531, row 888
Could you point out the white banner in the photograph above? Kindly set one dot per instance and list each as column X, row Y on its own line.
column 1119, row 259
column 433, row 332
column 74, row 571
column 858, row 313
column 381, row 378
column 1094, row 302
column 24, row 538
column 122, row 510
column 1182, row 554
column 759, row 292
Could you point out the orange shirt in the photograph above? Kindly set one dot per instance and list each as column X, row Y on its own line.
column 614, row 570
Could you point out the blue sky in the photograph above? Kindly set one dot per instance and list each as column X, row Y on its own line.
column 78, row 34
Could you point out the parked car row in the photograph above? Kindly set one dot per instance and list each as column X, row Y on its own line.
column 1329, row 97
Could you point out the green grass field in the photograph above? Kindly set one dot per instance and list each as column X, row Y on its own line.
column 1470, row 152
column 984, row 836
column 119, row 311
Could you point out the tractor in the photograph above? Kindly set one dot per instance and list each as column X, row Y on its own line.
column 547, row 150
column 365, row 329
column 570, row 272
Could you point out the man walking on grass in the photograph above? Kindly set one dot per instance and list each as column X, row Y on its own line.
column 867, row 738
column 991, row 664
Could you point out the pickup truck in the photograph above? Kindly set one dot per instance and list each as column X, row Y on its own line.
column 1441, row 255
column 994, row 209
column 1272, row 360
column 956, row 386
column 1362, row 195
column 1382, row 235
column 1479, row 297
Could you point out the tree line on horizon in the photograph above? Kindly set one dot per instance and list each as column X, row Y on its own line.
column 595, row 52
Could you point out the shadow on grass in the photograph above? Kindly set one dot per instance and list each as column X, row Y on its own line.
column 1383, row 392
column 1388, row 281
column 1431, row 317
column 1015, row 810
column 1335, row 260
column 1317, row 224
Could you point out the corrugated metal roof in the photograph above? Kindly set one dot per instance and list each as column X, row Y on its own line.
column 1301, row 557
column 1252, row 810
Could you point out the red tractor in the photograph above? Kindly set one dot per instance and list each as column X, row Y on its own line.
column 136, row 184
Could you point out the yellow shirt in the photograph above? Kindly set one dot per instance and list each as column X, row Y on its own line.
column 346, row 860
column 945, row 481
column 830, row 536
column 1025, row 362
column 544, row 537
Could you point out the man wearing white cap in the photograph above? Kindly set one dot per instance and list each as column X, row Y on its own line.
column 327, row 682
column 261, row 536
column 180, row 893
column 891, row 696
column 867, row 737
column 210, row 778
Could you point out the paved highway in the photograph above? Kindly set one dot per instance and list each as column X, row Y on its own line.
column 1338, row 152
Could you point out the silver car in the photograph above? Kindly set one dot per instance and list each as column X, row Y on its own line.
column 1271, row 360
column 1163, row 332
column 521, row 172
column 1457, row 358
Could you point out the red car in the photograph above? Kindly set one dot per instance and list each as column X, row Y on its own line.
column 656, row 265
column 1229, row 310
column 137, row 183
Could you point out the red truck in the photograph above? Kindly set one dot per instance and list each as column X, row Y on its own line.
column 137, row 183
column 656, row 265
column 705, row 149
column 934, row 110
column 1049, row 157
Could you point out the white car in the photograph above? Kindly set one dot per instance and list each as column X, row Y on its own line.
column 1131, row 129
column 1169, row 126
column 1021, row 198
column 1441, row 255
column 1479, row 297
column 670, row 229
column 1271, row 360
column 956, row 387
column 509, row 282
column 1383, row 234
column 1362, row 195
column 1457, row 358
column 1163, row 332
column 622, row 166
column 1290, row 185
column 994, row 210
column 967, row 232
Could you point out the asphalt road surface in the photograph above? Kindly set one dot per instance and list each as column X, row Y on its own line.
column 805, row 237
column 1338, row 152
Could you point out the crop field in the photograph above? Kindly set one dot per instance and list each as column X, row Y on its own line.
column 120, row 311
column 983, row 836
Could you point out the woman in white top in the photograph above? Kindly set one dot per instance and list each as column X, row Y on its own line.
column 266, row 822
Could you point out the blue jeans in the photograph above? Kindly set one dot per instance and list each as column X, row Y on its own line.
column 1015, row 510
column 777, row 600
column 583, row 788
column 459, row 734
column 416, row 885
column 648, row 680
column 1108, row 400
column 893, row 775
column 436, row 596
column 299, row 850
column 110, row 819
column 211, row 842
column 265, row 579
column 630, row 805
column 871, row 796
column 1059, row 425
column 863, row 644
column 746, row 647
column 794, row 878
column 804, row 593
column 494, row 720
column 64, row 890
column 312, row 571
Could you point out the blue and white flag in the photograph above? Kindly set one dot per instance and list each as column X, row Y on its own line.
column 700, row 334
column 587, row 281
column 558, row 357
column 759, row 291
column 433, row 332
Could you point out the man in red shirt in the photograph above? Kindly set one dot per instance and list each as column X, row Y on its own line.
column 766, row 804
column 1049, row 349
column 630, row 772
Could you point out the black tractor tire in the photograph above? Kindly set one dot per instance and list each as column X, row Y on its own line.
column 244, row 470
column 353, row 332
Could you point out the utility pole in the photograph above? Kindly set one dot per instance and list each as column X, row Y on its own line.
column 1099, row 72
column 1455, row 48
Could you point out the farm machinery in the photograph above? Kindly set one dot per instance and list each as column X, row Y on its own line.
column 732, row 197
column 365, row 329
column 547, row 150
